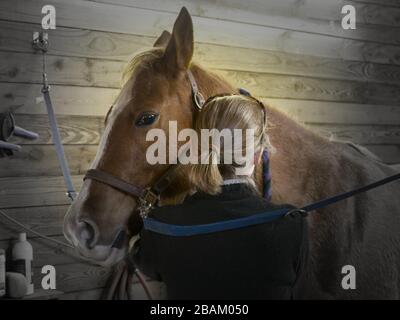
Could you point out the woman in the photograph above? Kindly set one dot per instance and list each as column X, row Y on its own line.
column 259, row 262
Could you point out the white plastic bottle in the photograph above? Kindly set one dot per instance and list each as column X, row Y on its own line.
column 21, row 260
column 2, row 273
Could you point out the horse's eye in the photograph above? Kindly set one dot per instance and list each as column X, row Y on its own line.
column 146, row 119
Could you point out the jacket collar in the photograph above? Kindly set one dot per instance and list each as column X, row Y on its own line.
column 234, row 191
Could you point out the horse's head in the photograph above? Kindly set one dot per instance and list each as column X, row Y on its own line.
column 157, row 91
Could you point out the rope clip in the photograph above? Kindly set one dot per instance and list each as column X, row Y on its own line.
column 147, row 202
column 292, row 213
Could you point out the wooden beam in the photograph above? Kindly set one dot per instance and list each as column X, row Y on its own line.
column 77, row 276
column 308, row 16
column 87, row 130
column 264, row 61
column 46, row 220
column 86, row 101
column 41, row 160
column 105, row 17
column 73, row 42
column 36, row 191
column 67, row 100
column 77, row 130
column 337, row 113
column 26, row 68
column 74, row 130
column 136, row 291
column 41, row 294
column 16, row 37
column 80, row 277
column 293, row 87
column 90, row 294
column 390, row 3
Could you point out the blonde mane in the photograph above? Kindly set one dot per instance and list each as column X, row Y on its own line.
column 143, row 59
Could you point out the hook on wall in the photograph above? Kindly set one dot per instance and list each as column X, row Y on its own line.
column 40, row 41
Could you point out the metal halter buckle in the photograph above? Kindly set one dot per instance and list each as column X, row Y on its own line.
column 198, row 100
column 147, row 202
column 295, row 211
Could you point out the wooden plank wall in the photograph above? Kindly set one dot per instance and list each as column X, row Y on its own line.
column 294, row 54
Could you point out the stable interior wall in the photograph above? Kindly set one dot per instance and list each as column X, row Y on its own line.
column 344, row 84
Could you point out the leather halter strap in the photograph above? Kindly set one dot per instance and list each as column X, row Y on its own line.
column 148, row 197
column 117, row 183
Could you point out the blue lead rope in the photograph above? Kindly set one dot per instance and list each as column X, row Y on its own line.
column 185, row 231
column 260, row 218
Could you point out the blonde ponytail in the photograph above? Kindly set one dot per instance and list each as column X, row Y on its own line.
column 227, row 112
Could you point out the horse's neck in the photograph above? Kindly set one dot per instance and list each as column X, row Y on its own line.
column 302, row 163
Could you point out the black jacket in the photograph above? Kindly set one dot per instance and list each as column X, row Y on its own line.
column 258, row 262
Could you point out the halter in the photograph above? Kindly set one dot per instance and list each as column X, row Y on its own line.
column 148, row 197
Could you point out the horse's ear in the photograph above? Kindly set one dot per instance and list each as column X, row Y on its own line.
column 179, row 50
column 163, row 40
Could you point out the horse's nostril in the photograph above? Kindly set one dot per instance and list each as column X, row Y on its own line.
column 89, row 233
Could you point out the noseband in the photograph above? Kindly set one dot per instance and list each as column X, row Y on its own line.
column 148, row 197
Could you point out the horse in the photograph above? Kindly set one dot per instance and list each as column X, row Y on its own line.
column 362, row 231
